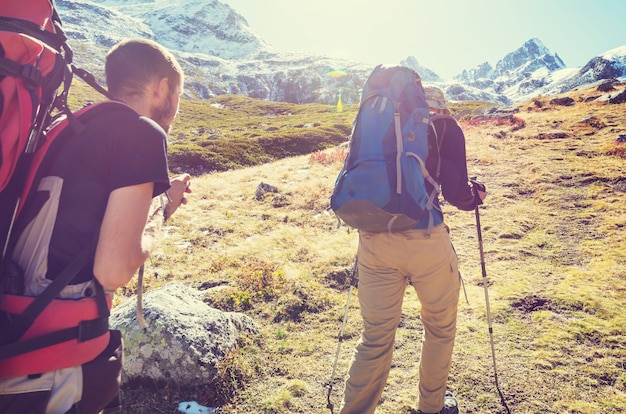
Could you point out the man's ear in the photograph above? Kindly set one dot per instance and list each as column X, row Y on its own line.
column 162, row 90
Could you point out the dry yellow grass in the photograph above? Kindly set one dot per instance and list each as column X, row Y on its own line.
column 553, row 229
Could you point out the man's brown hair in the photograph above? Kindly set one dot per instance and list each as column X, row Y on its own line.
column 132, row 64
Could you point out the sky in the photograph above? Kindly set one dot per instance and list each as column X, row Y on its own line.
column 445, row 36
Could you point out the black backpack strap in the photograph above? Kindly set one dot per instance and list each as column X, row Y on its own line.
column 10, row 67
column 90, row 80
column 54, row 40
column 85, row 331
column 103, row 307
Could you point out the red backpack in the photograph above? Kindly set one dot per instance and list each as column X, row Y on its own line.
column 34, row 62
column 36, row 71
column 39, row 334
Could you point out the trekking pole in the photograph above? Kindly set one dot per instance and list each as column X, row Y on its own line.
column 484, row 271
column 329, row 385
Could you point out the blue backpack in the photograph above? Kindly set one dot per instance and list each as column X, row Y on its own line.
column 382, row 185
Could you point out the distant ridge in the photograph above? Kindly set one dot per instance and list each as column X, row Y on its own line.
column 221, row 54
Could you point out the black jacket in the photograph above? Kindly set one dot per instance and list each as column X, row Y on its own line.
column 452, row 176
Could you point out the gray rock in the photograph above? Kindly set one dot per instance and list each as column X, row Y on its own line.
column 263, row 189
column 184, row 339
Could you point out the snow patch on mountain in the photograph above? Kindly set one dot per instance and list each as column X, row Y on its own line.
column 618, row 55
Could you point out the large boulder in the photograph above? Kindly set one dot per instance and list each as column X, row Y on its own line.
column 184, row 339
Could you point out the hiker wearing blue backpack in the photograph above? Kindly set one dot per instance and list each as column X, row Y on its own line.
column 87, row 217
column 397, row 247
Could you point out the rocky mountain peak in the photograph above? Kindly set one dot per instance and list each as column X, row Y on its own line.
column 532, row 55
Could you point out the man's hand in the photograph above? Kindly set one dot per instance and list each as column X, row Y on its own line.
column 180, row 185
column 479, row 189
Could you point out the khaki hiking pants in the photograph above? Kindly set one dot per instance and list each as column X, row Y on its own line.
column 386, row 263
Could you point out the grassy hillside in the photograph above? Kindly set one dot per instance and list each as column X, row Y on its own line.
column 553, row 227
column 231, row 131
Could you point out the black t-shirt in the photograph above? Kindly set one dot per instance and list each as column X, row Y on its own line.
column 118, row 148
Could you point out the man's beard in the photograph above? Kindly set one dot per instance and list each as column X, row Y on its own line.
column 163, row 115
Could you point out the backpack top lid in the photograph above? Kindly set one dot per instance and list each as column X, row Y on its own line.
column 39, row 12
column 391, row 78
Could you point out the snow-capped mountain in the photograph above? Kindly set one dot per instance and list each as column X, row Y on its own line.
column 221, row 54
column 515, row 76
column 532, row 56
column 206, row 27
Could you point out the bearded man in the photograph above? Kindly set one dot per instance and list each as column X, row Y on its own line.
column 100, row 196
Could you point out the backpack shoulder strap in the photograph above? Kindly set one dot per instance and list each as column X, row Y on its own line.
column 443, row 116
column 439, row 136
